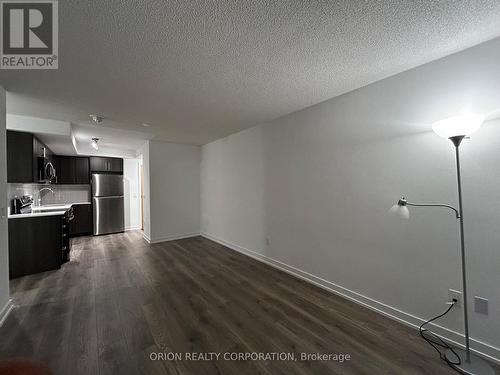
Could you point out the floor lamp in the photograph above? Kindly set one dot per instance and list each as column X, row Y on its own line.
column 456, row 129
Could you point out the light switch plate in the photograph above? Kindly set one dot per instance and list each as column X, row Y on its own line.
column 481, row 305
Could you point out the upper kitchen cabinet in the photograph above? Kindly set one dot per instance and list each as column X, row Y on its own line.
column 41, row 155
column 28, row 161
column 82, row 171
column 20, row 158
column 101, row 164
column 66, row 171
column 115, row 165
column 97, row 164
column 72, row 170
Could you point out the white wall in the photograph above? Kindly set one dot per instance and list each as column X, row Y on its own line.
column 40, row 125
column 131, row 180
column 4, row 249
column 146, row 190
column 318, row 183
column 232, row 178
column 174, row 191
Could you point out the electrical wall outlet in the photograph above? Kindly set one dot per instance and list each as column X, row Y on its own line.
column 481, row 305
column 455, row 294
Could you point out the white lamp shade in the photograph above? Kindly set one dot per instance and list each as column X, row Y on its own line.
column 401, row 211
column 458, row 125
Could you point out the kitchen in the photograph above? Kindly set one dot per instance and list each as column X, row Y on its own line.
column 53, row 198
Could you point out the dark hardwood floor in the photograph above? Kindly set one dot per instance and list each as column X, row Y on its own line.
column 121, row 299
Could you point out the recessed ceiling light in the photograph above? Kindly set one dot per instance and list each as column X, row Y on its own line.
column 94, row 143
column 146, row 125
column 96, row 119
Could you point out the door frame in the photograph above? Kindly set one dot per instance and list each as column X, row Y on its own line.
column 141, row 178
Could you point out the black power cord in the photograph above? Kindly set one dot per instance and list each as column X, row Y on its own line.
column 436, row 342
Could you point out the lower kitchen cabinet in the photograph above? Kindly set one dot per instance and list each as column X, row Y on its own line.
column 36, row 244
column 82, row 221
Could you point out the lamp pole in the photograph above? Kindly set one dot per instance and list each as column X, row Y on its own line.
column 468, row 363
column 456, row 142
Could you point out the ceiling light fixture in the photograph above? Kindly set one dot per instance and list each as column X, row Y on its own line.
column 94, row 143
column 96, row 119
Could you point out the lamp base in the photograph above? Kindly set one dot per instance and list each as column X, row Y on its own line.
column 476, row 366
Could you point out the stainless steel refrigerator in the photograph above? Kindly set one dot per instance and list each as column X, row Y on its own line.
column 107, row 203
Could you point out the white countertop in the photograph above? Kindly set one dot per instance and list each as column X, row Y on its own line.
column 38, row 214
column 56, row 206
column 55, row 210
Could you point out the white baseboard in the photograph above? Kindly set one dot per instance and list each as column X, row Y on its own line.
column 485, row 350
column 170, row 237
column 6, row 311
column 135, row 227
column 146, row 237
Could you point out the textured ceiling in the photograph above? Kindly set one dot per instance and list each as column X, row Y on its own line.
column 200, row 70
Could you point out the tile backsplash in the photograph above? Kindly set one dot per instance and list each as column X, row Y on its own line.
column 60, row 194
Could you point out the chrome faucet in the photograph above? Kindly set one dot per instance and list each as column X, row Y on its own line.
column 37, row 203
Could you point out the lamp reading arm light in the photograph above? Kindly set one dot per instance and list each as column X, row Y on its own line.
column 403, row 202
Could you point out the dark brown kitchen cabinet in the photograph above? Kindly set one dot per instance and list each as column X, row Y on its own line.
column 41, row 155
column 97, row 164
column 20, row 162
column 65, row 170
column 101, row 164
column 72, row 170
column 35, row 244
column 82, row 221
column 37, row 155
column 82, row 171
column 115, row 165
column 40, row 149
column 25, row 157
